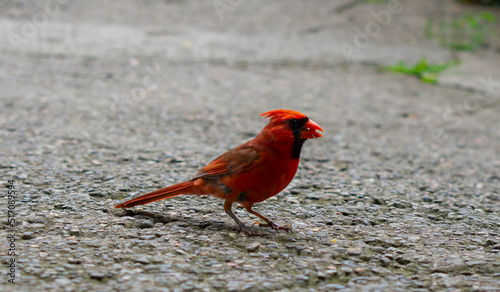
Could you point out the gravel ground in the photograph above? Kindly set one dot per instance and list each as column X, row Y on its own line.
column 401, row 194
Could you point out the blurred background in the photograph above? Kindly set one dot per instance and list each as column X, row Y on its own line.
column 102, row 71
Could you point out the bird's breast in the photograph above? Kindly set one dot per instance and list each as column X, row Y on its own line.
column 266, row 181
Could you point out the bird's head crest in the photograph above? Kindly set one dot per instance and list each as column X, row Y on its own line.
column 283, row 114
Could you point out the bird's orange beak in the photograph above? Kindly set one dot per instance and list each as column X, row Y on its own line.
column 309, row 131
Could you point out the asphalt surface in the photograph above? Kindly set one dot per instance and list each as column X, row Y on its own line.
column 102, row 102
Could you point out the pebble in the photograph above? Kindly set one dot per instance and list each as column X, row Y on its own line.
column 28, row 235
column 253, row 246
column 272, row 245
column 144, row 223
column 354, row 251
column 97, row 275
column 475, row 263
column 147, row 237
column 74, row 231
column 141, row 260
column 346, row 270
column 74, row 261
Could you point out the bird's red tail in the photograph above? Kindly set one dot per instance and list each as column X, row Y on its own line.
column 165, row 193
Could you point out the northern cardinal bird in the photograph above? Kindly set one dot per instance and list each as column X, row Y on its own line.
column 251, row 172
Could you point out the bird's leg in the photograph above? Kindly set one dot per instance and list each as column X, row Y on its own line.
column 269, row 222
column 227, row 207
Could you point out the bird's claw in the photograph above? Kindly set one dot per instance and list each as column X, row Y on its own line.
column 250, row 231
column 274, row 226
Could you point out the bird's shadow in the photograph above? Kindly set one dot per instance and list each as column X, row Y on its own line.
column 193, row 223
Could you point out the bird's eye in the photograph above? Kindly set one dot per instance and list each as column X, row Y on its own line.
column 294, row 122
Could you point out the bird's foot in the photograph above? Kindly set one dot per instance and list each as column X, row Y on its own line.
column 249, row 231
column 275, row 226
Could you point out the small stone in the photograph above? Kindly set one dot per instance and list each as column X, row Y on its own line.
column 147, row 237
column 321, row 276
column 97, row 275
column 74, row 261
column 359, row 270
column 248, row 287
column 144, row 223
column 354, row 251
column 475, row 263
column 302, row 278
column 313, row 196
column 331, row 270
column 342, row 165
column 253, row 246
column 433, row 217
column 38, row 220
column 180, row 251
column 188, row 286
column 141, row 260
column 96, row 194
column 331, row 287
column 28, row 235
column 63, row 281
column 158, row 259
column 218, row 284
column 22, row 176
column 346, row 270
column 74, row 231
column 402, row 260
column 272, row 245
column 48, row 273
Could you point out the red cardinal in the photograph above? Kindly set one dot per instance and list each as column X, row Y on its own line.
column 251, row 172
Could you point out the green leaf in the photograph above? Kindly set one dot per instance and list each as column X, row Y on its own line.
column 461, row 47
column 421, row 66
column 488, row 16
column 422, row 69
column 429, row 78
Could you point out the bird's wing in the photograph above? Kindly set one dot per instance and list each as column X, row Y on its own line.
column 238, row 160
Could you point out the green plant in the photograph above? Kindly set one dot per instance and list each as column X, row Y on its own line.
column 423, row 70
column 466, row 33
